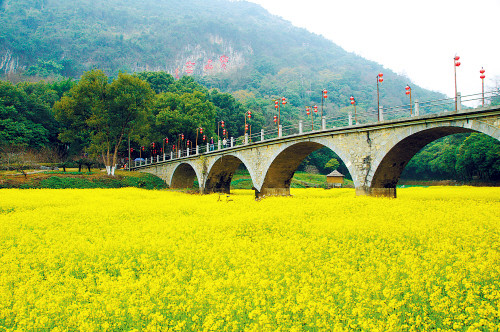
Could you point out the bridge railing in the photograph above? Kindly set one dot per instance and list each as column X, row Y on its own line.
column 318, row 124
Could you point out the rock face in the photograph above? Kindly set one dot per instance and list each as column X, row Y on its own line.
column 9, row 63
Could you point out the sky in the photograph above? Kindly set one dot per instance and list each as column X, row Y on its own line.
column 417, row 39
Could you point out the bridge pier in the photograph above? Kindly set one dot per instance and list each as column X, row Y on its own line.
column 272, row 192
column 376, row 192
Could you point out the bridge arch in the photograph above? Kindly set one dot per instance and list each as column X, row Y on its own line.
column 220, row 173
column 183, row 176
column 389, row 165
column 283, row 163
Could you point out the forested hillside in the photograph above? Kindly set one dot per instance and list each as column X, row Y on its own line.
column 205, row 61
column 232, row 46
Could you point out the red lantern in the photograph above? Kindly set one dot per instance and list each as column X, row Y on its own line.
column 153, row 145
column 283, row 101
column 249, row 114
column 380, row 77
column 275, row 119
column 222, row 124
column 201, row 130
column 131, row 150
column 308, row 110
column 142, row 148
column 456, row 58
column 166, row 140
column 408, row 89
column 315, row 109
column 246, row 127
column 482, row 71
column 182, row 137
column 325, row 94
column 457, row 63
column 204, row 137
column 276, row 104
column 224, row 132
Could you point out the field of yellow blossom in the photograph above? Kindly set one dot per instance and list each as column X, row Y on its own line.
column 322, row 260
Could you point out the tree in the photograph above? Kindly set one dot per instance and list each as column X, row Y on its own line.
column 479, row 155
column 104, row 113
column 332, row 164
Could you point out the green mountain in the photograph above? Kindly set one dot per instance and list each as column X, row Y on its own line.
column 235, row 46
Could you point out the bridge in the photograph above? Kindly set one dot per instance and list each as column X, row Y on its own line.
column 374, row 147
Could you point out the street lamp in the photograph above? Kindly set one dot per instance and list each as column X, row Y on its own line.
column 324, row 96
column 249, row 115
column 482, row 71
column 380, row 79
column 308, row 111
column 353, row 103
column 408, row 92
column 179, row 143
column 153, row 150
column 221, row 123
column 200, row 130
column 165, row 141
column 277, row 107
column 456, row 64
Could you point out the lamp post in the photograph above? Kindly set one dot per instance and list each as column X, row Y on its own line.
column 308, row 112
column 153, row 150
column 408, row 92
column 456, row 64
column 353, row 103
column 380, row 79
column 179, row 143
column 200, row 130
column 249, row 115
column 221, row 123
column 165, row 141
column 315, row 108
column 482, row 71
column 324, row 95
column 278, row 108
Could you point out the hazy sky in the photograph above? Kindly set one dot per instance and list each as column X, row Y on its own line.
column 415, row 38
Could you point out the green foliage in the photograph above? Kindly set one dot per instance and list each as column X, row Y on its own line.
column 332, row 164
column 26, row 118
column 462, row 156
column 103, row 114
column 74, row 180
column 479, row 156
column 44, row 69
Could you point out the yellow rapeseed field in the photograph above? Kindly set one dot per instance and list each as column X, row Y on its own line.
column 322, row 260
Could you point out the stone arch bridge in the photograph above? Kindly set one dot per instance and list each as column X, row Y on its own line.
column 375, row 153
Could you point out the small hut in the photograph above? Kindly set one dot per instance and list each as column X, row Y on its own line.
column 335, row 179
